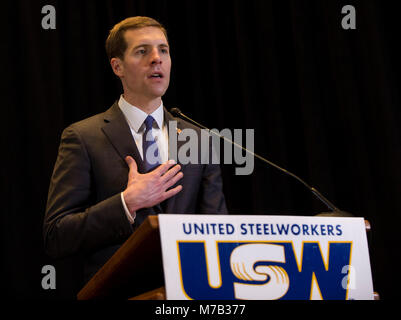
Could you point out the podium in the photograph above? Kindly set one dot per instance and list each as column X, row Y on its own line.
column 135, row 271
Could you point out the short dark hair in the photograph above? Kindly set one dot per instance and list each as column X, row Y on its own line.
column 115, row 42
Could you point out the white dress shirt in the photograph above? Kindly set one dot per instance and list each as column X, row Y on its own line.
column 135, row 118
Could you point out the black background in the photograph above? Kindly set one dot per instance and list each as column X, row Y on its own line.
column 324, row 103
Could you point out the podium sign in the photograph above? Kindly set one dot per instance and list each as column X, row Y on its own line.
column 265, row 257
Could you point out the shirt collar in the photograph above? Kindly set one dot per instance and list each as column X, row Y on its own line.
column 136, row 116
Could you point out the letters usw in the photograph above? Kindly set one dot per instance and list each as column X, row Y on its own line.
column 268, row 269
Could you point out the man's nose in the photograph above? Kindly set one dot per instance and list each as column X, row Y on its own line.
column 155, row 57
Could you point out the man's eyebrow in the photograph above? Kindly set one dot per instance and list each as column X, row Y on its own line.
column 163, row 45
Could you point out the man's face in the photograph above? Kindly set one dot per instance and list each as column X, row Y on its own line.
column 145, row 69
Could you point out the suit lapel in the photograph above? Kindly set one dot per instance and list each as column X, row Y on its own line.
column 173, row 135
column 119, row 133
column 170, row 203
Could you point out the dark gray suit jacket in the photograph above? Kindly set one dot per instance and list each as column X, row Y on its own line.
column 84, row 213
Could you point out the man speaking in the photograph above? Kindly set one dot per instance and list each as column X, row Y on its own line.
column 114, row 169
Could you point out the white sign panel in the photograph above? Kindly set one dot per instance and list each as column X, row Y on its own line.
column 228, row 257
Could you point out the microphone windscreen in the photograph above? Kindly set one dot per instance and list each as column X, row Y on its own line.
column 175, row 112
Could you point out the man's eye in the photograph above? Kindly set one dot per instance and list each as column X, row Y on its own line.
column 141, row 51
column 164, row 50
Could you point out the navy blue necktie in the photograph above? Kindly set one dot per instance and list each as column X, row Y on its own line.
column 151, row 158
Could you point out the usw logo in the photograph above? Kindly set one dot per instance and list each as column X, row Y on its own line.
column 265, row 270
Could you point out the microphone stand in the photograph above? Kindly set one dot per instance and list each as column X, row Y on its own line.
column 335, row 212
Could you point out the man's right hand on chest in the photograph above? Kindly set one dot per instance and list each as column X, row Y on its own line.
column 147, row 190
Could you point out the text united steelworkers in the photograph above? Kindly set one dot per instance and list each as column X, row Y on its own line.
column 263, row 229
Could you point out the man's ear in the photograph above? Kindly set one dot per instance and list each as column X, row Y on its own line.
column 117, row 66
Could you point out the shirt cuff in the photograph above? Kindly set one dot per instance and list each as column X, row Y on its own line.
column 131, row 217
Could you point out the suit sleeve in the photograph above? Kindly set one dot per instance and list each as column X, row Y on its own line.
column 73, row 222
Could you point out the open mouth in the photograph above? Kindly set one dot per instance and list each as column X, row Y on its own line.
column 156, row 75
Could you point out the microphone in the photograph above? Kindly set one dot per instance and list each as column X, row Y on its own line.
column 335, row 211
